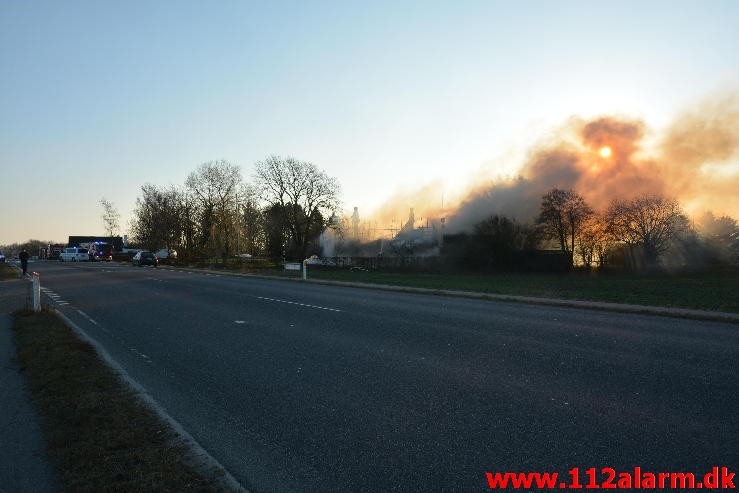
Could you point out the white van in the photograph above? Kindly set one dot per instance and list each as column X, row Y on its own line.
column 164, row 253
column 74, row 255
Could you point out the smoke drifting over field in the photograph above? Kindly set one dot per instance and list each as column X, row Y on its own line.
column 695, row 160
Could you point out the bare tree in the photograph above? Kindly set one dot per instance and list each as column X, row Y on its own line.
column 215, row 186
column 497, row 238
column 719, row 227
column 648, row 222
column 159, row 218
column 562, row 216
column 251, row 222
column 188, row 221
column 301, row 193
column 595, row 241
column 110, row 216
column 721, row 234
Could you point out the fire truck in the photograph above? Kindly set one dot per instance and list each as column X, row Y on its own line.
column 98, row 250
column 53, row 251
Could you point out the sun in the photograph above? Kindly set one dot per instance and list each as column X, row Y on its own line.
column 605, row 152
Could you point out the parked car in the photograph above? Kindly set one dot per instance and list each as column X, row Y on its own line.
column 145, row 258
column 2, row 257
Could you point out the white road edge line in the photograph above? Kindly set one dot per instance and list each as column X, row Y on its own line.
column 208, row 462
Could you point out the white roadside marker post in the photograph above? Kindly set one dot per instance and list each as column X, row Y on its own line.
column 305, row 269
column 36, row 292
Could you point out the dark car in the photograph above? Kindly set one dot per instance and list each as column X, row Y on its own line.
column 145, row 258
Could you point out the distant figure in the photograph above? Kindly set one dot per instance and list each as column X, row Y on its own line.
column 24, row 260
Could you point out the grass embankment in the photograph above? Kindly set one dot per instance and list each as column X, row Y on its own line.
column 99, row 434
column 717, row 291
column 7, row 272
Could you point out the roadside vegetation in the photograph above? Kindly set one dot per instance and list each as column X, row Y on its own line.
column 291, row 211
column 100, row 436
column 7, row 272
column 703, row 291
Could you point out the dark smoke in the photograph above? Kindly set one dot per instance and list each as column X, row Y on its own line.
column 692, row 163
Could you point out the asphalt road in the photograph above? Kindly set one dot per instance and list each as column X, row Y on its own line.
column 302, row 387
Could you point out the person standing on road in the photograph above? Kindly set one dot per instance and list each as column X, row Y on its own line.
column 23, row 256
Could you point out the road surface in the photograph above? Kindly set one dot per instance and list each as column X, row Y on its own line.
column 303, row 387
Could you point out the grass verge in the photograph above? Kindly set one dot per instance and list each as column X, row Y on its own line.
column 99, row 434
column 715, row 291
column 706, row 290
column 7, row 272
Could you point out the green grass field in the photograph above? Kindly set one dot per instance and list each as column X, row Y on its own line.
column 718, row 291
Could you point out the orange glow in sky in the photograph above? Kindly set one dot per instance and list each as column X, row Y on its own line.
column 605, row 152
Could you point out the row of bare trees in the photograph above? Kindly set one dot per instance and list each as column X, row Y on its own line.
column 646, row 226
column 283, row 211
column 216, row 213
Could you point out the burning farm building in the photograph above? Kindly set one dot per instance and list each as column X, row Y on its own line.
column 695, row 160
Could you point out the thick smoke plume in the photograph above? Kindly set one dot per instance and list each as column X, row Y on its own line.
column 695, row 160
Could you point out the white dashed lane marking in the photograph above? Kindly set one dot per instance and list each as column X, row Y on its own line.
column 54, row 297
column 287, row 302
column 88, row 317
column 141, row 355
column 299, row 304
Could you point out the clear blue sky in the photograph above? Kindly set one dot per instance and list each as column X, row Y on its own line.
column 98, row 98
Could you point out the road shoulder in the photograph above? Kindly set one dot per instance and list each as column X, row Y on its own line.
column 24, row 465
